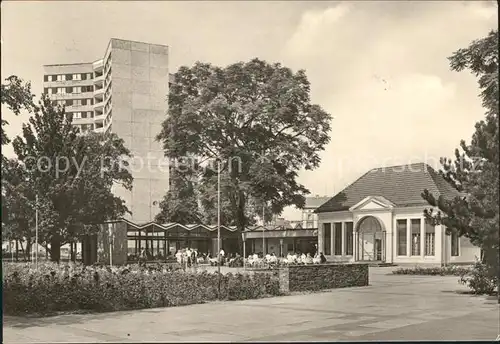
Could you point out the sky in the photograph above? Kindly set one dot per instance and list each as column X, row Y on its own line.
column 379, row 68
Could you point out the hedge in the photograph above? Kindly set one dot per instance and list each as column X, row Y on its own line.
column 69, row 287
column 449, row 270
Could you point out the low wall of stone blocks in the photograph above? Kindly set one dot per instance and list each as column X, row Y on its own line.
column 322, row 276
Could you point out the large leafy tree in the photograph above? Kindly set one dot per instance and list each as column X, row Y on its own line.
column 180, row 204
column 71, row 174
column 18, row 205
column 255, row 118
column 16, row 95
column 474, row 171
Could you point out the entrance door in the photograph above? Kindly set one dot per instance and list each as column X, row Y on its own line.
column 378, row 249
column 371, row 239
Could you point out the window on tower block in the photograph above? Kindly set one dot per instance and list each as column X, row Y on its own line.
column 45, row 78
column 401, row 232
column 69, row 77
column 60, row 77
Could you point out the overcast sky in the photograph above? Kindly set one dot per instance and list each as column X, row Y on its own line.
column 380, row 68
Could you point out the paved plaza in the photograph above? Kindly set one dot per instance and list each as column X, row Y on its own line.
column 393, row 307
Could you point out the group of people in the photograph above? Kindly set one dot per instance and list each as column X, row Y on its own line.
column 189, row 257
column 291, row 258
column 305, row 258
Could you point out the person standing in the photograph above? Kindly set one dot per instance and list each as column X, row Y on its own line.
column 188, row 257
column 142, row 257
column 221, row 259
column 193, row 257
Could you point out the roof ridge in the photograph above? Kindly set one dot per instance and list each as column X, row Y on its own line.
column 436, row 178
column 403, row 165
column 343, row 190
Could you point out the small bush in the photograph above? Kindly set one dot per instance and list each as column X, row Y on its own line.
column 449, row 270
column 53, row 288
column 480, row 279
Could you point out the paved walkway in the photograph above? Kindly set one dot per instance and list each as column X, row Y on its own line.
column 392, row 308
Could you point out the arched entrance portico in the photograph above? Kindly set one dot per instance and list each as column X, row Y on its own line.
column 370, row 240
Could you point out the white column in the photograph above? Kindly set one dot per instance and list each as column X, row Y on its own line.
column 408, row 237
column 355, row 244
column 438, row 244
column 388, row 241
column 422, row 237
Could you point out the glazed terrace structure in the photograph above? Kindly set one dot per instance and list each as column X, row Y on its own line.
column 126, row 240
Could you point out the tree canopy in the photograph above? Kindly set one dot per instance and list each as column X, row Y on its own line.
column 475, row 168
column 16, row 95
column 72, row 175
column 257, row 119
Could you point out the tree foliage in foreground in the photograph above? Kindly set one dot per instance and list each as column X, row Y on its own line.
column 18, row 205
column 75, row 197
column 16, row 95
column 476, row 166
column 258, row 120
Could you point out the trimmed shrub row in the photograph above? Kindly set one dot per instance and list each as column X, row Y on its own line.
column 54, row 288
column 450, row 270
column 479, row 278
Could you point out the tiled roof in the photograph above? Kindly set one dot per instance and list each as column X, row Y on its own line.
column 402, row 185
column 315, row 202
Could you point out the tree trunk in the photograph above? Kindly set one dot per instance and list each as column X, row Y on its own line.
column 72, row 251
column 23, row 252
column 491, row 260
column 29, row 247
column 17, row 250
column 55, row 248
column 241, row 220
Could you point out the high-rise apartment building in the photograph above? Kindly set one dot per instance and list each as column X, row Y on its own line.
column 124, row 92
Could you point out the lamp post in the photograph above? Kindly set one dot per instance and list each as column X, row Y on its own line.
column 36, row 231
column 263, row 231
column 110, row 228
column 218, row 219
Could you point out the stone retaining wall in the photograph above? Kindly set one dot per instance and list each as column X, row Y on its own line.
column 323, row 276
